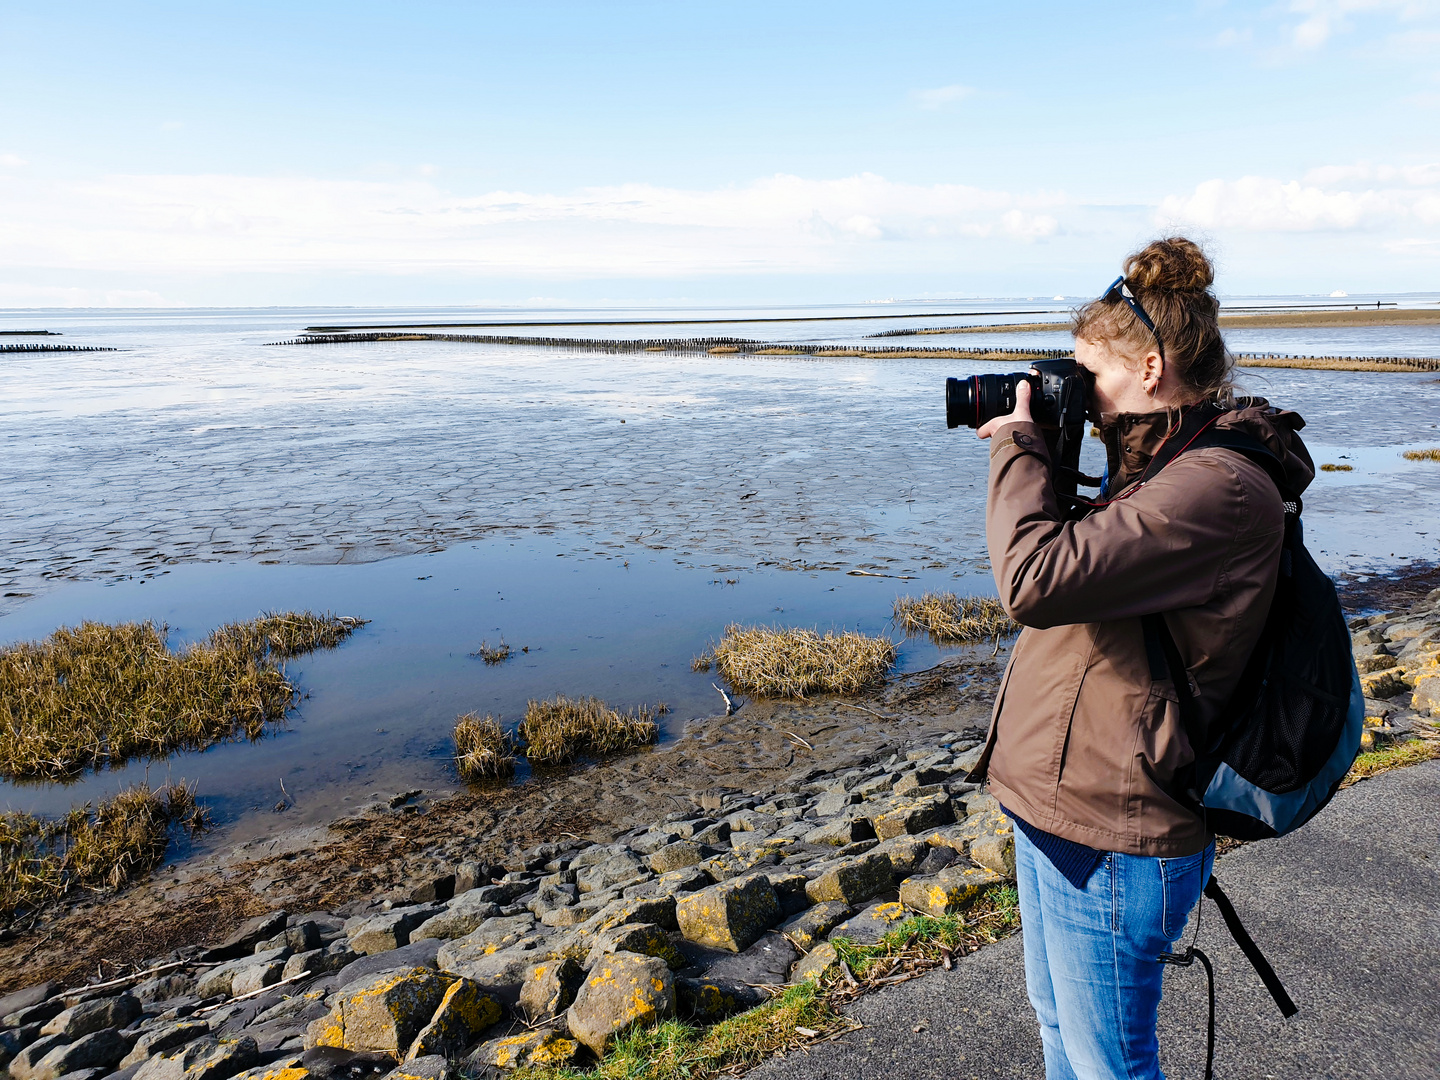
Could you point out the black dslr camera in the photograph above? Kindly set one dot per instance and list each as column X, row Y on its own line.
column 1060, row 402
column 1060, row 395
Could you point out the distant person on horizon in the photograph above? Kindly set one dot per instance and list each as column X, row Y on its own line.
column 1085, row 745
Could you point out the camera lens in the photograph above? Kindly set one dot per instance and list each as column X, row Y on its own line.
column 979, row 398
column 960, row 396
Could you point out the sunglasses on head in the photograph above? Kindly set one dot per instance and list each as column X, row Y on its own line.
column 1119, row 292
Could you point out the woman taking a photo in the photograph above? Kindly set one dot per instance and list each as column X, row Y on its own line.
column 1085, row 744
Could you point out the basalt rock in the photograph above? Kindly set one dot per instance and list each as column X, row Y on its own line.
column 730, row 915
column 622, row 990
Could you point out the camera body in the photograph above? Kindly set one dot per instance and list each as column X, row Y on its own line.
column 1060, row 395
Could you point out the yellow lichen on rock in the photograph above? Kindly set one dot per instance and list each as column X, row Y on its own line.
column 947, row 891
column 383, row 1015
column 463, row 1013
column 627, row 989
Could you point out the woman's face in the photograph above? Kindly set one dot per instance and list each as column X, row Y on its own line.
column 1119, row 386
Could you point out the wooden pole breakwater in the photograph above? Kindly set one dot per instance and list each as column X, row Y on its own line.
column 749, row 347
column 34, row 347
column 713, row 345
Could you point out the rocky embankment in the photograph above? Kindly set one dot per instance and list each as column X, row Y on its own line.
column 486, row 967
column 1398, row 655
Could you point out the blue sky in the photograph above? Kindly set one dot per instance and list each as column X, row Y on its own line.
column 386, row 153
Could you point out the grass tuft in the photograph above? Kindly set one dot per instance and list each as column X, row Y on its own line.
column 96, row 696
column 562, row 729
column 1394, row 756
column 774, row 662
column 951, row 619
column 494, row 654
column 1431, row 454
column 101, row 848
column 483, row 750
column 1330, row 467
column 675, row 1050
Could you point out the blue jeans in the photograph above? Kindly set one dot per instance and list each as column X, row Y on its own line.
column 1091, row 964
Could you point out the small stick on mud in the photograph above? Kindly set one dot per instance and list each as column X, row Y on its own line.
column 730, row 707
column 137, row 975
column 254, row 993
column 798, row 739
column 872, row 712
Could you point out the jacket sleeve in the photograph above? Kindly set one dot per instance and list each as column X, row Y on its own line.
column 1164, row 547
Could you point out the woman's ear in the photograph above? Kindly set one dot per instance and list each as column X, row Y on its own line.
column 1152, row 372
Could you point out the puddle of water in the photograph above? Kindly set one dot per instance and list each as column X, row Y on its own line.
column 378, row 711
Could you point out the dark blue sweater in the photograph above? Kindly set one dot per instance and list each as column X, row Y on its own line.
column 1075, row 861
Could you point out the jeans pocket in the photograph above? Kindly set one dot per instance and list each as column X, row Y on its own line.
column 1181, row 880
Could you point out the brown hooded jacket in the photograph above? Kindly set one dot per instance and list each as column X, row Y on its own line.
column 1083, row 744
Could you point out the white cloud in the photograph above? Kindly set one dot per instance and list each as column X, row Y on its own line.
column 12, row 161
column 1322, row 19
column 225, row 223
column 1332, row 198
column 941, row 95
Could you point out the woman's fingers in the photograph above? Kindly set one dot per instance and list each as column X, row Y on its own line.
column 1019, row 416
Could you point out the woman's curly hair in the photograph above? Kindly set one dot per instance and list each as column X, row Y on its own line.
column 1171, row 281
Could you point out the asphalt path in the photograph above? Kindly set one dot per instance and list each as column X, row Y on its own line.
column 1347, row 910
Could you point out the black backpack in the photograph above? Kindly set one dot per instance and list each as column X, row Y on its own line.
column 1291, row 730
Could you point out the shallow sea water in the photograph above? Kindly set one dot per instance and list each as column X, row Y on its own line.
column 453, row 492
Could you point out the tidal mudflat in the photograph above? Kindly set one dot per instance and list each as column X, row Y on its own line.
column 611, row 513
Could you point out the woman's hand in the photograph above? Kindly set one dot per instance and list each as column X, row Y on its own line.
column 1021, row 415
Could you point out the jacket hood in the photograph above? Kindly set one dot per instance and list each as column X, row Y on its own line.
column 1131, row 440
column 1278, row 430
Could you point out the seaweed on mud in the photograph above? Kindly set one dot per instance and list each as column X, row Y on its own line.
column 795, row 662
column 561, row 729
column 483, row 749
column 950, row 619
column 90, row 847
column 99, row 695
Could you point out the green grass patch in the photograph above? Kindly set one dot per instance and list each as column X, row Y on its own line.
column 96, row 695
column 91, row 847
column 928, row 940
column 1394, row 756
column 676, row 1050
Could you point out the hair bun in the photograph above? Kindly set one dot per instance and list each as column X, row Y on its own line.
column 1172, row 265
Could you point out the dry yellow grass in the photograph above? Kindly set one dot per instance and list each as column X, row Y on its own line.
column 1331, row 467
column 1432, row 454
column 793, row 662
column 97, row 695
column 483, row 751
column 561, row 729
column 950, row 619
column 100, row 848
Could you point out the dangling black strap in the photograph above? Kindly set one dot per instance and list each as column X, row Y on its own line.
column 1250, row 949
column 1185, row 959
